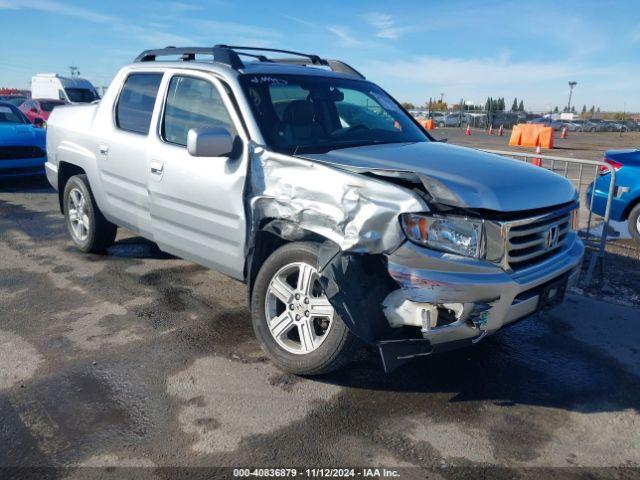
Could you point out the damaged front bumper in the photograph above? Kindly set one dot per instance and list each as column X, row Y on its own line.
column 453, row 301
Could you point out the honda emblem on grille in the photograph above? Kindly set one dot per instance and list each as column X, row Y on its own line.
column 551, row 238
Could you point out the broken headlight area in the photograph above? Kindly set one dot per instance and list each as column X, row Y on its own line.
column 451, row 234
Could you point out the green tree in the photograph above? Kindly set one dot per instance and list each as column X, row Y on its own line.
column 514, row 106
column 598, row 110
column 592, row 109
column 555, row 110
column 584, row 109
column 521, row 106
column 408, row 105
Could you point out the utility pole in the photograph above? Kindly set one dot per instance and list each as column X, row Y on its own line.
column 571, row 85
column 441, row 97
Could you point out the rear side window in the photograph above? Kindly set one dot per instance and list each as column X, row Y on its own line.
column 135, row 105
column 192, row 103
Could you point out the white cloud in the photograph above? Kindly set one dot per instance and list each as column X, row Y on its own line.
column 51, row 6
column 385, row 25
column 345, row 37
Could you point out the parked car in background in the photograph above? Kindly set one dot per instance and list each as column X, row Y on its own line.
column 455, row 120
column 506, row 119
column 548, row 122
column 573, row 125
column 438, row 118
column 625, row 205
column 346, row 219
column 595, row 125
column 616, row 126
column 22, row 144
column 39, row 108
column 15, row 100
column 631, row 125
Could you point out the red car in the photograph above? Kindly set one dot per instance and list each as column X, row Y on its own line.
column 39, row 108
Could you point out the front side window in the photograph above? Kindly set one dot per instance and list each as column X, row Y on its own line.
column 192, row 103
column 309, row 114
column 135, row 105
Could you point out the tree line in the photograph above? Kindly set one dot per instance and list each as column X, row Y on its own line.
column 493, row 105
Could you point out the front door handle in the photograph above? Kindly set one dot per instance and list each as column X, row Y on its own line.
column 103, row 149
column 157, row 168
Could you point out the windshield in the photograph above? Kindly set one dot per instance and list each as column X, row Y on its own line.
column 17, row 101
column 81, row 95
column 10, row 114
column 309, row 114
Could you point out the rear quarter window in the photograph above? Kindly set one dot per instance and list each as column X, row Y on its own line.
column 136, row 101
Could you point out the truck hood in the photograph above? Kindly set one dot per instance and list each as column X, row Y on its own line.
column 458, row 176
column 21, row 134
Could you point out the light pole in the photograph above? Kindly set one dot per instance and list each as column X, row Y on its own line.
column 571, row 85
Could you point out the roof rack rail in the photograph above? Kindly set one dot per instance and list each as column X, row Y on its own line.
column 230, row 56
column 220, row 55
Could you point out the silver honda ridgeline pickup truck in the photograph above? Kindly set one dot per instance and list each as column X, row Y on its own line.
column 348, row 222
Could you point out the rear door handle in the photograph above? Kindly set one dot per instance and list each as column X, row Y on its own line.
column 103, row 149
column 157, row 168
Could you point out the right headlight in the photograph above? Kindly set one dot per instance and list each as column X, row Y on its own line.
column 452, row 234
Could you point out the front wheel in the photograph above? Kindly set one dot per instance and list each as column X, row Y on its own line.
column 292, row 317
column 88, row 228
column 633, row 223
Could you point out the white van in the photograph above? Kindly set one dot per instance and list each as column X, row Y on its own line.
column 72, row 90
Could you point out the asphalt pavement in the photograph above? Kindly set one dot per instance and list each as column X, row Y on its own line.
column 136, row 359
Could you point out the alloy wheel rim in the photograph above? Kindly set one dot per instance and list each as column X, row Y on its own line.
column 299, row 315
column 78, row 217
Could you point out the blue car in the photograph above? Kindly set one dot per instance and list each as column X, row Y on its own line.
column 22, row 144
column 625, row 205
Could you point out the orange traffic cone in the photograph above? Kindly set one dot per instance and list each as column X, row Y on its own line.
column 501, row 130
column 564, row 133
column 537, row 161
column 468, row 132
column 490, row 129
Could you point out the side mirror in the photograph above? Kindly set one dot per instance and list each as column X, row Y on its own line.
column 209, row 142
column 38, row 122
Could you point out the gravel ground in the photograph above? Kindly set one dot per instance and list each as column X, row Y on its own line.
column 143, row 362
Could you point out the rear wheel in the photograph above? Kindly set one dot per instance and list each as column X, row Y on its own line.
column 292, row 317
column 633, row 223
column 88, row 228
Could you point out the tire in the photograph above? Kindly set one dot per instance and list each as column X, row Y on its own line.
column 441, row 125
column 89, row 230
column 633, row 223
column 331, row 348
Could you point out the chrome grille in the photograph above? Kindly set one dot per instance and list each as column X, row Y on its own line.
column 528, row 241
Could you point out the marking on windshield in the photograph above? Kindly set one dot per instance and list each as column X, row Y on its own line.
column 269, row 80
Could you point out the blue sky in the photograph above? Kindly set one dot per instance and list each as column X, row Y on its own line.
column 414, row 49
